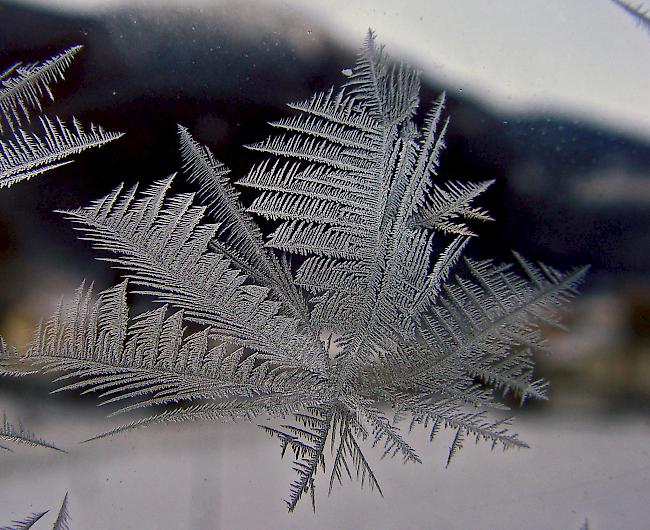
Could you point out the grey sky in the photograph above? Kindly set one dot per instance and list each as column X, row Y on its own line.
column 584, row 57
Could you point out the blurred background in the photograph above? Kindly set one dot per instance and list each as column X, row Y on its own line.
column 550, row 98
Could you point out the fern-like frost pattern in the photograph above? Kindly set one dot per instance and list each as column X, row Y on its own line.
column 26, row 153
column 384, row 322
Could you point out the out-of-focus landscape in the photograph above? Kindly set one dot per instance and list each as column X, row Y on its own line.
column 570, row 190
